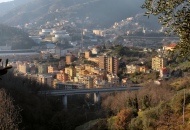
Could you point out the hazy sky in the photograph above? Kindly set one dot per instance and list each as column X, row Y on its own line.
column 5, row 1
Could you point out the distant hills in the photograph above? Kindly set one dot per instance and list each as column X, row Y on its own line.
column 15, row 37
column 8, row 6
column 103, row 13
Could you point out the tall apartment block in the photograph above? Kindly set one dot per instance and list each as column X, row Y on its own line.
column 109, row 63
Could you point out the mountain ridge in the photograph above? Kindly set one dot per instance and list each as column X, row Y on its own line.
column 102, row 12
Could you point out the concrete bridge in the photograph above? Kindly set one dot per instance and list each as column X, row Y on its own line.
column 96, row 91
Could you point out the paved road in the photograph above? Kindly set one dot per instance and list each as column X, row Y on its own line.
column 84, row 91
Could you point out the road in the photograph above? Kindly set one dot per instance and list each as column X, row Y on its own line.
column 85, row 91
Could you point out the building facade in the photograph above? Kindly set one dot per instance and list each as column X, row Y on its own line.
column 69, row 58
column 62, row 76
column 158, row 62
column 71, row 71
column 42, row 68
column 109, row 63
column 130, row 69
column 87, row 54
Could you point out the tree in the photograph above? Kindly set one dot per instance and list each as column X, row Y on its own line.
column 174, row 15
column 4, row 69
column 123, row 119
column 9, row 114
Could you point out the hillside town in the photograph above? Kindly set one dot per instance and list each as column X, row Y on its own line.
column 89, row 68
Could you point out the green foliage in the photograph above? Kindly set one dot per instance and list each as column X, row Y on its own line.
column 178, row 100
column 136, row 123
column 120, row 50
column 146, row 102
column 175, row 17
column 111, row 122
column 91, row 63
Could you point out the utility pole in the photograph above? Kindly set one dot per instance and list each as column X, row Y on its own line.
column 184, row 107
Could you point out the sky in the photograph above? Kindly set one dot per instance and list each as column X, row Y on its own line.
column 5, row 1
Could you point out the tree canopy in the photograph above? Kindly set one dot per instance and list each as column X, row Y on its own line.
column 174, row 15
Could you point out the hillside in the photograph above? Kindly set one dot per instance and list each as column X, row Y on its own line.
column 8, row 6
column 15, row 37
column 101, row 12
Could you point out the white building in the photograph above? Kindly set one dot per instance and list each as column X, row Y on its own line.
column 132, row 69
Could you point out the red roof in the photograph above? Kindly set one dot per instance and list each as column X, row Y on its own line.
column 172, row 45
column 165, row 70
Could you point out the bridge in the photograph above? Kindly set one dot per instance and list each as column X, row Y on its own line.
column 96, row 91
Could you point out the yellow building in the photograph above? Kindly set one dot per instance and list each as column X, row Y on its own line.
column 98, row 32
column 51, row 69
column 79, row 69
column 87, row 80
column 143, row 69
column 158, row 62
column 89, row 68
column 23, row 68
column 100, row 72
column 62, row 76
column 71, row 71
column 87, row 54
column 69, row 58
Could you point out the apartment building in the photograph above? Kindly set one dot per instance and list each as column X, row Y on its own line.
column 87, row 80
column 62, row 76
column 23, row 68
column 69, row 58
column 45, row 80
column 87, row 54
column 113, row 79
column 109, row 63
column 71, row 71
column 51, row 69
column 158, row 62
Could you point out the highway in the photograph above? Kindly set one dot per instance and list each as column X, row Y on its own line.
column 85, row 91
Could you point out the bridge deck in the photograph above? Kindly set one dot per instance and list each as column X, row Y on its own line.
column 85, row 91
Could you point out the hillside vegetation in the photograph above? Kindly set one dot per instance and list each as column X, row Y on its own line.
column 152, row 108
column 15, row 37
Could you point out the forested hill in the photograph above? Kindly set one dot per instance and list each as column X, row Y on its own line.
column 101, row 12
column 15, row 37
